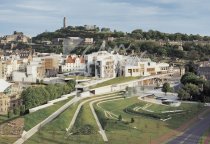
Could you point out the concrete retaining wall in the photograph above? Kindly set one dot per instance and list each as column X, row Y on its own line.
column 50, row 103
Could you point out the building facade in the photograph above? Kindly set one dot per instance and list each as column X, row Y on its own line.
column 72, row 63
column 4, row 104
column 107, row 65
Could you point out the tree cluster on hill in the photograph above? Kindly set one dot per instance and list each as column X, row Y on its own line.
column 77, row 32
column 156, row 35
column 36, row 96
column 137, row 34
column 49, row 49
column 136, row 39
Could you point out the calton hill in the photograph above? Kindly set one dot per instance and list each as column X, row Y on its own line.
column 157, row 44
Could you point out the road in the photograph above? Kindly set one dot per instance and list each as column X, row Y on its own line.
column 194, row 133
column 35, row 129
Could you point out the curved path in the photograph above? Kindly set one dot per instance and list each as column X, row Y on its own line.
column 101, row 130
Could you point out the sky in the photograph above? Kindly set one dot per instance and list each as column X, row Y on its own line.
column 33, row 17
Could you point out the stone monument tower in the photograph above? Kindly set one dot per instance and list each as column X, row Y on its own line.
column 64, row 22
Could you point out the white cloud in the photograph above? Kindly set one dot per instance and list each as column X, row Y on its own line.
column 190, row 16
column 35, row 5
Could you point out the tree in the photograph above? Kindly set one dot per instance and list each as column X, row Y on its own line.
column 192, row 90
column 120, row 118
column 191, row 78
column 190, row 67
column 16, row 111
column 183, row 95
column 22, row 109
column 35, row 96
column 206, row 91
column 166, row 88
column 10, row 114
column 132, row 120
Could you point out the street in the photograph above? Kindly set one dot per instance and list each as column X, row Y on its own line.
column 194, row 133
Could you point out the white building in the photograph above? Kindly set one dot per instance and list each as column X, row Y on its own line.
column 100, row 64
column 146, row 68
column 88, row 41
column 34, row 72
column 73, row 63
column 106, row 65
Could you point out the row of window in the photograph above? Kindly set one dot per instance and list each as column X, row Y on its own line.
column 3, row 109
column 133, row 70
column 164, row 68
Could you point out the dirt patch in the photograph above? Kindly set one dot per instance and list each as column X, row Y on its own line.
column 12, row 128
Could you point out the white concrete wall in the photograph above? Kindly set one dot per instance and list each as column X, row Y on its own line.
column 102, row 90
column 32, row 70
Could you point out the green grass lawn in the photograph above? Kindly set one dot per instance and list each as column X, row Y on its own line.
column 155, row 111
column 55, row 131
column 113, row 81
column 3, row 118
column 79, row 77
column 34, row 118
column 144, row 128
column 7, row 140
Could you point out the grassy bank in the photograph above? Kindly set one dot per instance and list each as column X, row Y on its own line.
column 114, row 81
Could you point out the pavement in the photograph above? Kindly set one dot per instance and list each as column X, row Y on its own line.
column 193, row 134
column 101, row 130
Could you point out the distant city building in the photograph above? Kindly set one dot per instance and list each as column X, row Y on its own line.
column 204, row 69
column 72, row 63
column 4, row 104
column 90, row 27
column 88, row 41
column 16, row 37
column 9, row 96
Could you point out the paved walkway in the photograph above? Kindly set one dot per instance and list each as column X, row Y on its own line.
column 101, row 130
